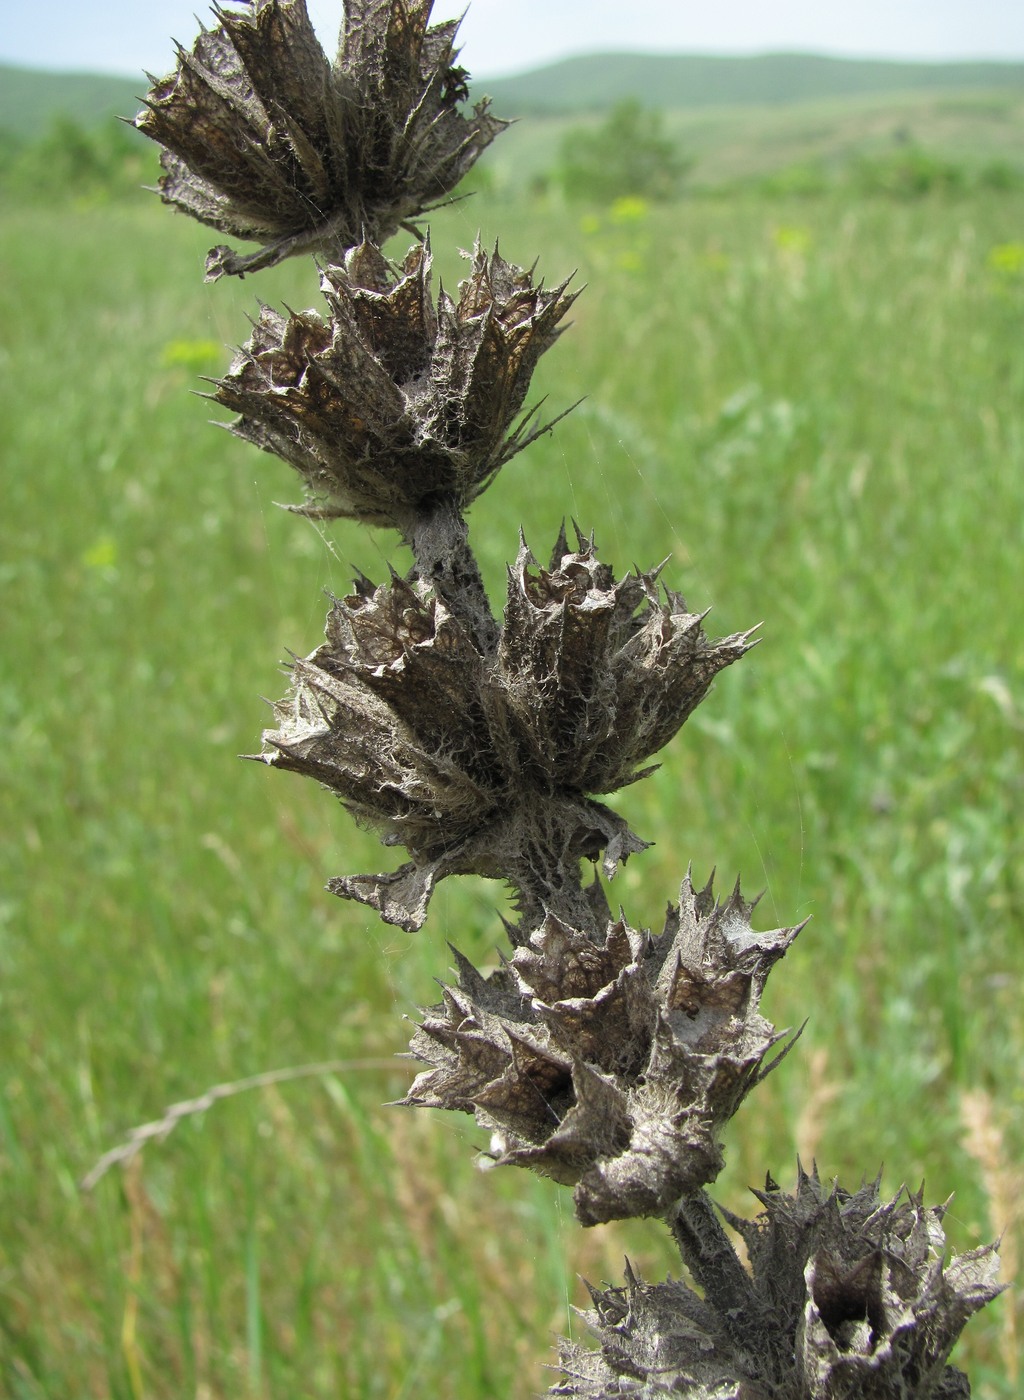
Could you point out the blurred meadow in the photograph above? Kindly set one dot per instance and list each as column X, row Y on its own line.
column 812, row 407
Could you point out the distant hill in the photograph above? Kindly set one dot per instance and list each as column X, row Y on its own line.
column 30, row 99
column 593, row 82
column 746, row 142
column 739, row 118
column 590, row 83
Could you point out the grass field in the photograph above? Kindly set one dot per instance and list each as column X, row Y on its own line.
column 815, row 409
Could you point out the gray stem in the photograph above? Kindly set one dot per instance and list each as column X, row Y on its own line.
column 439, row 542
column 728, row 1289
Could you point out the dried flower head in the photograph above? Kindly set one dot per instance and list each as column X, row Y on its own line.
column 848, row 1298
column 611, row 1065
column 437, row 741
column 393, row 403
column 265, row 140
column 600, row 674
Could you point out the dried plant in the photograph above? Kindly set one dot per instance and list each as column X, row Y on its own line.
column 603, row 1056
column 482, row 757
column 393, row 403
column 848, row 1297
column 611, row 1064
column 264, row 139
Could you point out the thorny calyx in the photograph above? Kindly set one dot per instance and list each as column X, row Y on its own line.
column 483, row 759
column 848, row 1297
column 599, row 1054
column 266, row 140
column 393, row 402
column 610, row 1064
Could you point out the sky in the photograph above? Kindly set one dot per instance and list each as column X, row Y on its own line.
column 507, row 36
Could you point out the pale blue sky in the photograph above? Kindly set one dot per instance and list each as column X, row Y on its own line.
column 502, row 36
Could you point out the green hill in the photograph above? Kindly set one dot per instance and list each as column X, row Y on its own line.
column 593, row 82
column 739, row 118
column 743, row 143
column 30, row 99
column 590, row 83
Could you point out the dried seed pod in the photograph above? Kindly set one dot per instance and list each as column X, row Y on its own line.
column 426, row 733
column 398, row 714
column 848, row 1298
column 600, row 674
column 265, row 140
column 613, row 1065
column 393, row 403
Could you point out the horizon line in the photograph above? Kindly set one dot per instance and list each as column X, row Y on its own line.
column 489, row 75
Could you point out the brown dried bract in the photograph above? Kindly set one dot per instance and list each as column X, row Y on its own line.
column 848, row 1298
column 600, row 674
column 393, row 403
column 265, row 140
column 612, row 1065
column 437, row 740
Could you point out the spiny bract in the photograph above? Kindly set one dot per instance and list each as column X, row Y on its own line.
column 392, row 403
column 611, row 1065
column 264, row 139
column 486, row 761
column 848, row 1298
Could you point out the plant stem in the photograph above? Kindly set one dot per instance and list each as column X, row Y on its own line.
column 728, row 1289
column 438, row 538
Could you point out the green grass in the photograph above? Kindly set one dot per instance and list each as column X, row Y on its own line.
column 815, row 411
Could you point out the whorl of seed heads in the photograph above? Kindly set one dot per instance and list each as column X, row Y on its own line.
column 611, row 1065
column 485, row 762
column 391, row 402
column 265, row 140
column 848, row 1298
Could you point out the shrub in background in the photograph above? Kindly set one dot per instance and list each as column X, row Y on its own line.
column 908, row 173
column 628, row 153
column 70, row 160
